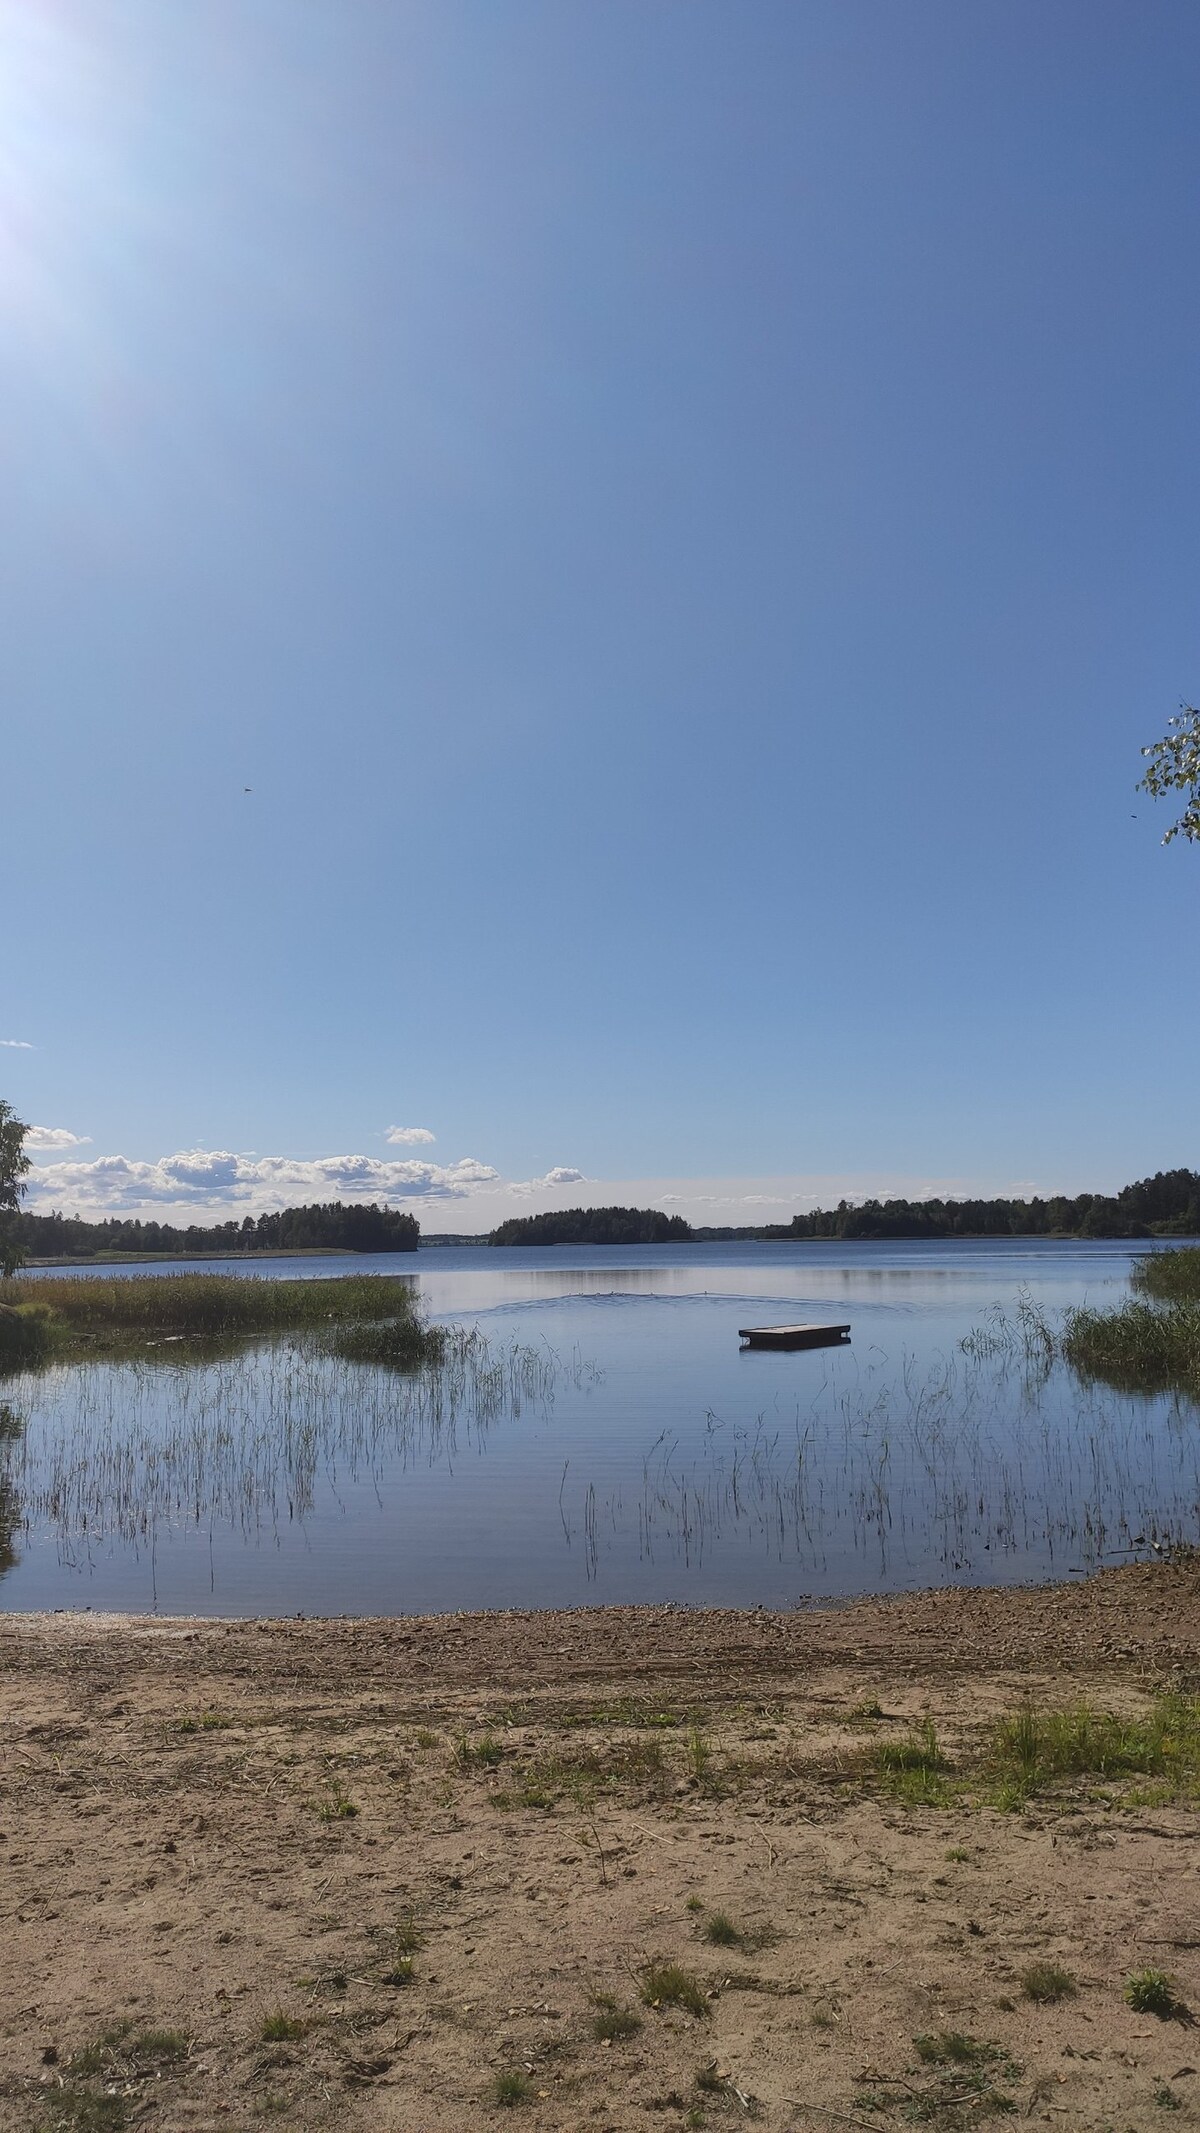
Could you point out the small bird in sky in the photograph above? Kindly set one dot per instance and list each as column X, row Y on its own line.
column 247, row 788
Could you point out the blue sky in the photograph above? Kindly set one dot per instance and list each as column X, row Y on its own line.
column 683, row 516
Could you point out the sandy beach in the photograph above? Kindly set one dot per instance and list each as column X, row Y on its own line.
column 391, row 1873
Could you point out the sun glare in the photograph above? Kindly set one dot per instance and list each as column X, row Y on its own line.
column 68, row 216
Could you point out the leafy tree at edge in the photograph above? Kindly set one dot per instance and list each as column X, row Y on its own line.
column 13, row 1165
column 1174, row 767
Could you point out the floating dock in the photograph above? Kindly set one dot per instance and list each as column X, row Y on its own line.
column 793, row 1336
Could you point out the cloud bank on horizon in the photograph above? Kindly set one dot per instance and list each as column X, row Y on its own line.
column 216, row 1183
column 220, row 1180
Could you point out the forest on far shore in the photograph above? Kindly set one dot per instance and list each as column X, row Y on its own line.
column 331, row 1227
column 1166, row 1205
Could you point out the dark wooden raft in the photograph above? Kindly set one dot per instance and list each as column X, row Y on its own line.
column 793, row 1336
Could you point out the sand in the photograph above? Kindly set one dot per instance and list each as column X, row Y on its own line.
column 439, row 1849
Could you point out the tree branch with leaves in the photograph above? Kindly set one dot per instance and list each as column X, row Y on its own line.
column 1175, row 768
column 13, row 1165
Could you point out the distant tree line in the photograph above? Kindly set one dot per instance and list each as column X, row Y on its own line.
column 1166, row 1205
column 595, row 1225
column 332, row 1227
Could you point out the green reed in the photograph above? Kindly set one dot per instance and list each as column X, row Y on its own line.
column 1149, row 1344
column 1139, row 1347
column 396, row 1343
column 123, row 1310
column 1171, row 1277
column 123, row 1449
column 29, row 1335
column 962, row 1462
column 968, row 1462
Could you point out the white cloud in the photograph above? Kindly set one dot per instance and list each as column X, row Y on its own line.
column 216, row 1179
column 409, row 1136
column 14, row 1044
column 55, row 1137
column 732, row 1199
column 206, row 1185
column 562, row 1174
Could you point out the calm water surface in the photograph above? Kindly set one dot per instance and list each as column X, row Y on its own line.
column 604, row 1438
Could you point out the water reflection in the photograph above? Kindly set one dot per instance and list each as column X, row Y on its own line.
column 978, row 1466
column 948, row 1475
column 248, row 1441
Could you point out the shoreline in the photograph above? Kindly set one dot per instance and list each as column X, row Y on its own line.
column 357, row 1872
column 952, row 1626
column 301, row 1251
column 1146, row 1242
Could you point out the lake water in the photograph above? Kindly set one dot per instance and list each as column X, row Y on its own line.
column 604, row 1439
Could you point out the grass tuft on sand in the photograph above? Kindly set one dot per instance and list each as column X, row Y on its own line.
column 1036, row 1749
column 667, row 1985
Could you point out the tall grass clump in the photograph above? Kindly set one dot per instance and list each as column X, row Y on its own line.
column 1036, row 1749
column 1170, row 1277
column 1153, row 1992
column 913, row 1767
column 112, row 1309
column 28, row 1336
column 1139, row 1347
column 397, row 1343
column 1046, row 1983
column 1151, row 1343
column 666, row 1985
